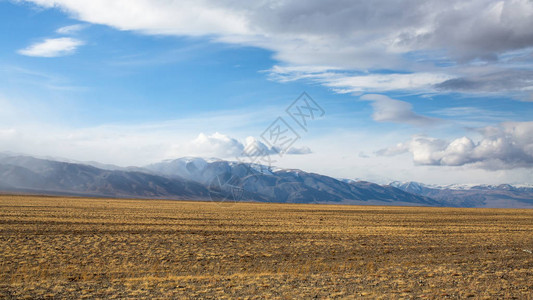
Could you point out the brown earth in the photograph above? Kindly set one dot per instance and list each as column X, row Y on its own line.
column 53, row 247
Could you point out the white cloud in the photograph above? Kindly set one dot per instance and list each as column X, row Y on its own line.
column 391, row 110
column 223, row 146
column 345, row 83
column 70, row 29
column 217, row 145
column 358, row 36
column 52, row 47
column 157, row 17
column 339, row 155
column 505, row 147
column 387, row 82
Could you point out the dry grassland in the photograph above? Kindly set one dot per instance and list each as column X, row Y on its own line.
column 52, row 247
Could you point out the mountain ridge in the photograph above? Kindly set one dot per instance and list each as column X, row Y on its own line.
column 219, row 180
column 473, row 195
column 192, row 179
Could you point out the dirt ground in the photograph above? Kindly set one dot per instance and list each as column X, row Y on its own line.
column 54, row 247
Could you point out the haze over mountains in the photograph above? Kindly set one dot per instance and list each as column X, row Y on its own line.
column 224, row 181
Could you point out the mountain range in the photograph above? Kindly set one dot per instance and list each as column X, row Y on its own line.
column 503, row 195
column 226, row 181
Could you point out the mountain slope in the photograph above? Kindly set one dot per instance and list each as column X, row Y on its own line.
column 194, row 178
column 257, row 182
column 503, row 195
column 24, row 173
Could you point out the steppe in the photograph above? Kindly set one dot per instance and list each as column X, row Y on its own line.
column 67, row 247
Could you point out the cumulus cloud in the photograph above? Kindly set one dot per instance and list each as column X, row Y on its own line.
column 505, row 147
column 223, row 146
column 216, row 144
column 52, row 47
column 391, row 110
column 357, row 36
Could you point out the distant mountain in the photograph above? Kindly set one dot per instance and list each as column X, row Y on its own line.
column 194, row 178
column 503, row 195
column 28, row 174
column 200, row 179
column 258, row 182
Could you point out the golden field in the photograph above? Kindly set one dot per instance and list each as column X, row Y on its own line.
column 58, row 247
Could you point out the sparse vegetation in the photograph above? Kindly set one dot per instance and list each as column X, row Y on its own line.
column 53, row 247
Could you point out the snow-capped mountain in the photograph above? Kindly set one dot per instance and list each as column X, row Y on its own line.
column 271, row 184
column 219, row 180
column 473, row 195
column 194, row 178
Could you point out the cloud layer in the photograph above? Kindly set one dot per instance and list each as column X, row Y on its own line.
column 505, row 147
column 430, row 41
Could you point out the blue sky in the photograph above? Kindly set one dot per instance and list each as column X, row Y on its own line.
column 410, row 91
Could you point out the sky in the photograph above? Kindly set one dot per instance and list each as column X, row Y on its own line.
column 439, row 92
